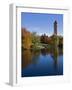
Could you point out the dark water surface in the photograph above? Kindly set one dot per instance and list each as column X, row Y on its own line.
column 42, row 62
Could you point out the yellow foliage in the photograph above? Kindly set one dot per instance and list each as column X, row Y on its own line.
column 26, row 39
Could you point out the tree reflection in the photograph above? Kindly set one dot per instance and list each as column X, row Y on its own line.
column 44, row 52
column 26, row 58
column 35, row 58
column 29, row 57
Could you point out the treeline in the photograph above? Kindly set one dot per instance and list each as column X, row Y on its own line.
column 34, row 41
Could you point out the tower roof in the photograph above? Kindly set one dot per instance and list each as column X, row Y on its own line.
column 55, row 22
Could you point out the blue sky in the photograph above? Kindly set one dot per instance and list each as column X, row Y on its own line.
column 42, row 23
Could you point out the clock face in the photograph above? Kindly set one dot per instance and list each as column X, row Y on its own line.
column 41, row 44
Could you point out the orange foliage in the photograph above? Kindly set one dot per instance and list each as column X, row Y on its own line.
column 26, row 39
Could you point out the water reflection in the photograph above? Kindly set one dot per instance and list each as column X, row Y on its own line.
column 54, row 55
column 26, row 58
column 30, row 58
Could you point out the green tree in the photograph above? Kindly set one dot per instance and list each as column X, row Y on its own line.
column 35, row 40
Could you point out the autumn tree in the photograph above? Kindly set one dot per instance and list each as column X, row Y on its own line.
column 26, row 39
column 44, row 39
